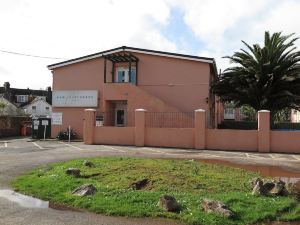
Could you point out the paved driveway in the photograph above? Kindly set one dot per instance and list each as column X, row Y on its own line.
column 20, row 155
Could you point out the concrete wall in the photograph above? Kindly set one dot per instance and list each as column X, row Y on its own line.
column 165, row 84
column 114, row 135
column 181, row 83
column 285, row 141
column 262, row 140
column 170, row 137
column 224, row 139
column 80, row 76
column 72, row 117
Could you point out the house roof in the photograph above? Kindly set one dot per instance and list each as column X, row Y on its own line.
column 34, row 101
column 2, row 98
column 132, row 49
column 20, row 91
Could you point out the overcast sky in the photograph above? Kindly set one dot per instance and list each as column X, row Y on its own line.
column 72, row 28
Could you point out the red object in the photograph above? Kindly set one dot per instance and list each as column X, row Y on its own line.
column 26, row 128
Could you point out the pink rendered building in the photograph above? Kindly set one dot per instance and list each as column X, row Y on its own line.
column 118, row 81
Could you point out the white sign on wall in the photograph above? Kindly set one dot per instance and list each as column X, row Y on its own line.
column 56, row 118
column 87, row 98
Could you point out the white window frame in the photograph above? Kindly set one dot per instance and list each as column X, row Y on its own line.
column 126, row 70
column 22, row 98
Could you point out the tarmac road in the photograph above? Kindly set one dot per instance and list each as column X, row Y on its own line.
column 19, row 155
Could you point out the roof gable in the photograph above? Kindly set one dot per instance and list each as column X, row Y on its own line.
column 35, row 101
column 131, row 49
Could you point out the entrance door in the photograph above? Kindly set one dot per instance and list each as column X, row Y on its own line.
column 120, row 117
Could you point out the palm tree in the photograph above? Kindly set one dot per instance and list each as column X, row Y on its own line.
column 265, row 78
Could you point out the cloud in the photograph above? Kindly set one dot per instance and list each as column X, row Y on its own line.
column 221, row 25
column 73, row 28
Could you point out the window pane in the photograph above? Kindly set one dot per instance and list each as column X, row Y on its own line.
column 133, row 76
column 121, row 76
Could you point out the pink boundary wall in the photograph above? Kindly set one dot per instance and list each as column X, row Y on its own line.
column 261, row 140
column 223, row 139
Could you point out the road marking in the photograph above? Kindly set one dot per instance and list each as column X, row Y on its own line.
column 153, row 150
column 40, row 147
column 296, row 157
column 73, row 146
column 115, row 149
column 256, row 156
column 5, row 144
column 272, row 156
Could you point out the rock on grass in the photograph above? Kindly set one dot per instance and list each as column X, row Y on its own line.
column 85, row 190
column 141, row 184
column 73, row 171
column 88, row 163
column 217, row 207
column 169, row 203
column 267, row 187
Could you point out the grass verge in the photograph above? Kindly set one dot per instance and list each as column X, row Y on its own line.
column 188, row 181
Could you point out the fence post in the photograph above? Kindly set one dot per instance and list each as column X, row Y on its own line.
column 140, row 127
column 89, row 126
column 200, row 129
column 264, row 131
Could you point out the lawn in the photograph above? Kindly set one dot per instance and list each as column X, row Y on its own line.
column 188, row 181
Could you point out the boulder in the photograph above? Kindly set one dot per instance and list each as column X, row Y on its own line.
column 88, row 163
column 269, row 187
column 254, row 181
column 169, row 203
column 73, row 171
column 84, row 190
column 279, row 188
column 217, row 207
column 293, row 190
column 140, row 184
column 258, row 187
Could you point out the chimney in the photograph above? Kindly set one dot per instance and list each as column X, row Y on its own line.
column 49, row 95
column 6, row 86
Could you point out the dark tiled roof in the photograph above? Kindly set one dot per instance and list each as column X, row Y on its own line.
column 10, row 95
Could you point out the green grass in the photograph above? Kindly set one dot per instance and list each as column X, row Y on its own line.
column 189, row 181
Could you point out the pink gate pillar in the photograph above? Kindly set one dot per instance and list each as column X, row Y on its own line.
column 264, row 131
column 89, row 126
column 200, row 129
column 140, row 116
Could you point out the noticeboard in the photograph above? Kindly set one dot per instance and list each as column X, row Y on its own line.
column 57, row 118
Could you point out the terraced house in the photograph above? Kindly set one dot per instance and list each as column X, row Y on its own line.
column 118, row 81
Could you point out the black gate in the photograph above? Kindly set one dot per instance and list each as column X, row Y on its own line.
column 41, row 127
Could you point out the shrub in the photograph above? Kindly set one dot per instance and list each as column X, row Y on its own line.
column 64, row 135
column 238, row 125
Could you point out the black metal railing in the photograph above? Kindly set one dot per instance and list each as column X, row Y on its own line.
column 111, row 118
column 286, row 126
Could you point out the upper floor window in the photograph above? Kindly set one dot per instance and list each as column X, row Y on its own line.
column 123, row 76
column 33, row 108
column 22, row 98
column 47, row 108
